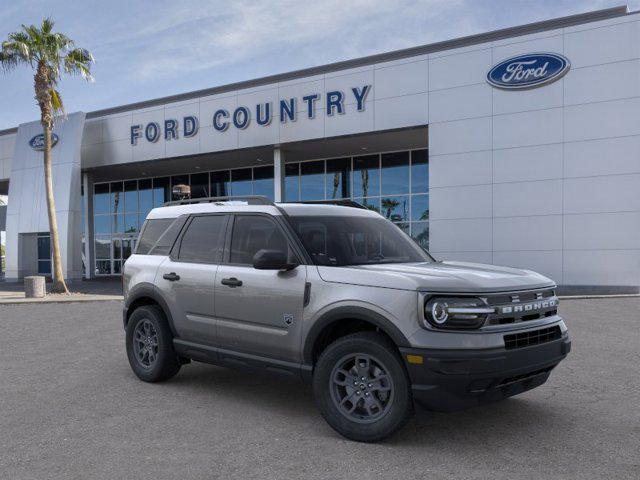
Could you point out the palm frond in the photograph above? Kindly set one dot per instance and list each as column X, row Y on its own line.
column 49, row 53
column 78, row 62
column 56, row 101
column 47, row 25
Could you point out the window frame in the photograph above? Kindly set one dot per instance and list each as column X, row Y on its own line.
column 174, row 254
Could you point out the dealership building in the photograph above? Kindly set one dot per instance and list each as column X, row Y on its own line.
column 516, row 147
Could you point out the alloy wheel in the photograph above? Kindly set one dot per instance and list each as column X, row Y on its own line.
column 361, row 388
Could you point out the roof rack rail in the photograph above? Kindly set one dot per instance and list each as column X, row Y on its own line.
column 340, row 203
column 250, row 199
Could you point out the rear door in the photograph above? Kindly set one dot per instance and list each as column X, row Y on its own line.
column 259, row 311
column 186, row 278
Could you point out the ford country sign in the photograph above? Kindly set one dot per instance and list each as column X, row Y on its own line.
column 528, row 71
column 37, row 142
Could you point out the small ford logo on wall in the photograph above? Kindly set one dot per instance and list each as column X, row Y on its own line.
column 37, row 142
column 528, row 71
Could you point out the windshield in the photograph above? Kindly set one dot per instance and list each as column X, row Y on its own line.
column 342, row 240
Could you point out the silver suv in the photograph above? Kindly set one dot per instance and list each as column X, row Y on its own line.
column 340, row 297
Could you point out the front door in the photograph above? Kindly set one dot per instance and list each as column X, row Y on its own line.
column 259, row 311
column 186, row 279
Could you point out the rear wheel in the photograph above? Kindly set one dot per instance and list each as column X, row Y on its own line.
column 362, row 388
column 150, row 345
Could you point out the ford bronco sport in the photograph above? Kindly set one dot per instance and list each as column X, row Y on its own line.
column 341, row 297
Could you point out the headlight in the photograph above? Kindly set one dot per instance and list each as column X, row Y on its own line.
column 451, row 312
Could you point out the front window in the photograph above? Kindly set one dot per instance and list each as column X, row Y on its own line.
column 343, row 241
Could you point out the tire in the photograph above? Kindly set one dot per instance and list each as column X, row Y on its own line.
column 382, row 406
column 150, row 352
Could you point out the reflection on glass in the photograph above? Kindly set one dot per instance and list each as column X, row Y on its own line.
column 101, row 198
column 117, row 248
column 312, row 180
column 338, row 183
column 241, row 182
column 44, row 247
column 145, row 196
column 117, row 267
column 131, row 223
column 101, row 224
column 420, row 233
column 103, row 267
column 292, row 182
column 420, row 207
column 420, row 171
column 161, row 191
column 370, row 203
column 220, row 184
column 44, row 267
column 404, row 227
column 127, row 247
column 395, row 173
column 102, row 248
column 131, row 196
column 263, row 181
column 199, row 185
column 366, row 176
column 380, row 182
column 395, row 209
column 116, row 197
column 117, row 223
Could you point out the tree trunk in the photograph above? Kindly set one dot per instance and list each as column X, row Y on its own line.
column 59, row 285
column 42, row 85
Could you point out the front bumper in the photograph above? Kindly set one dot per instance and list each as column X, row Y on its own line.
column 449, row 380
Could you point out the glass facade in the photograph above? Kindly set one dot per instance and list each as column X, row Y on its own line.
column 44, row 253
column 396, row 184
column 119, row 208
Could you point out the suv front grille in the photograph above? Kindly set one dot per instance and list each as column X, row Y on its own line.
column 522, row 306
column 534, row 337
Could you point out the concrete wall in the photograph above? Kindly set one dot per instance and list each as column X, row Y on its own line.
column 6, row 153
column 27, row 209
column 549, row 178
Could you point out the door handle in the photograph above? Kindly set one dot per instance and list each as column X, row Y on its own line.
column 172, row 277
column 231, row 282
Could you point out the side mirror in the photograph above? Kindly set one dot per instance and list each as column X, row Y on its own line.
column 272, row 260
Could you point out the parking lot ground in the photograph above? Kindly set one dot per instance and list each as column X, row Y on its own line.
column 70, row 408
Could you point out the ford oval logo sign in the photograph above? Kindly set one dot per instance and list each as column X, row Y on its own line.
column 37, row 142
column 528, row 71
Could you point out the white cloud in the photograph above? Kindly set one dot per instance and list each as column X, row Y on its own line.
column 200, row 35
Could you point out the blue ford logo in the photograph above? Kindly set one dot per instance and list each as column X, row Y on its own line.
column 37, row 142
column 528, row 71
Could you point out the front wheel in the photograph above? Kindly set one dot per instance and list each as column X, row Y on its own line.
column 150, row 345
column 362, row 388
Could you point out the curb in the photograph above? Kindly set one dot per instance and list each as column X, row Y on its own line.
column 76, row 299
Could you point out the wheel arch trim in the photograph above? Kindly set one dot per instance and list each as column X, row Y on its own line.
column 147, row 290
column 355, row 313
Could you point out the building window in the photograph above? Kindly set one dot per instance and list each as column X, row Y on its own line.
column 44, row 253
column 312, row 180
column 338, row 179
column 396, row 184
column 120, row 208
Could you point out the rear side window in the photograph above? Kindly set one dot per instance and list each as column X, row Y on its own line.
column 151, row 232
column 203, row 240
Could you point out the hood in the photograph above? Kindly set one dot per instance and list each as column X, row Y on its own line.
column 437, row 277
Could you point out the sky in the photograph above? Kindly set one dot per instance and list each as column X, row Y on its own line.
column 149, row 49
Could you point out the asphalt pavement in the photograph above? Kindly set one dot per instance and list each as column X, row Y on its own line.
column 70, row 408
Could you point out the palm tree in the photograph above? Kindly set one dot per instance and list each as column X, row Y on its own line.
column 49, row 54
